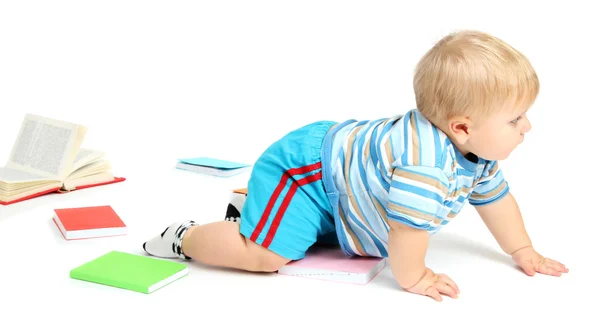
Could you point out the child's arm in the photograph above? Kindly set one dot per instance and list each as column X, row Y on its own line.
column 407, row 249
column 416, row 197
column 503, row 219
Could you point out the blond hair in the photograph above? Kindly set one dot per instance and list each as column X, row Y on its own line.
column 471, row 73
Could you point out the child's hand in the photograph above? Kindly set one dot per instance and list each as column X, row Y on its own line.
column 531, row 262
column 434, row 285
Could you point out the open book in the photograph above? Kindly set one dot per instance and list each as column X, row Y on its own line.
column 47, row 157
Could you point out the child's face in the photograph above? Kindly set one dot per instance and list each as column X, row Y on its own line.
column 495, row 137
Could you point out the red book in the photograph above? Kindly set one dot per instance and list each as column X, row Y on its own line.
column 89, row 222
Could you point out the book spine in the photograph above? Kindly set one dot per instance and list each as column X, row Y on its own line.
column 108, row 282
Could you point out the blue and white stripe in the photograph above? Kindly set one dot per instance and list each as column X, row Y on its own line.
column 405, row 169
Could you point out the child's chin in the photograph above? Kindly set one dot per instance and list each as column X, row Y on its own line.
column 495, row 156
column 502, row 157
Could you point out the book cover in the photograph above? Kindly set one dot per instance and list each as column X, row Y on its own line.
column 242, row 191
column 59, row 190
column 89, row 222
column 330, row 263
column 214, row 167
column 128, row 271
column 213, row 163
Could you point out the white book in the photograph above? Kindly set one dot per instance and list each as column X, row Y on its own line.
column 330, row 263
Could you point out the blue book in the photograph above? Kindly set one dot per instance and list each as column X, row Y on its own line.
column 212, row 166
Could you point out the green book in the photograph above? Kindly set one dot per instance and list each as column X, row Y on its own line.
column 130, row 271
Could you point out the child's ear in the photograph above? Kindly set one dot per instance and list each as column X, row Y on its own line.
column 460, row 127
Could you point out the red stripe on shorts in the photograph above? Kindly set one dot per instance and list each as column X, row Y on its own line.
column 285, row 204
column 286, row 175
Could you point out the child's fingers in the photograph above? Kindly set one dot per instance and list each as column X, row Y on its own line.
column 559, row 269
column 432, row 292
column 548, row 270
column 450, row 282
column 528, row 267
column 444, row 288
column 557, row 266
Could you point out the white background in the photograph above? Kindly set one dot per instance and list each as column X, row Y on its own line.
column 158, row 80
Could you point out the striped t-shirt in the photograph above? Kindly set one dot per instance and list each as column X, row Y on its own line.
column 405, row 169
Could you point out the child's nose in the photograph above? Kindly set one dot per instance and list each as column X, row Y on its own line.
column 526, row 126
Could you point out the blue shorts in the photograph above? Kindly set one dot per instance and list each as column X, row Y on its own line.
column 287, row 209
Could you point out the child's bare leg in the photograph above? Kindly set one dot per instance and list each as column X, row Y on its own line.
column 216, row 244
column 221, row 244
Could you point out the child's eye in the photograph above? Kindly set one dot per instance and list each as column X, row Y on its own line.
column 515, row 120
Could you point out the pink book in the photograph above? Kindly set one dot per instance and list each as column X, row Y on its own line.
column 330, row 263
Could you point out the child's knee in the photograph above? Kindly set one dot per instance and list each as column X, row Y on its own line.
column 262, row 259
column 272, row 263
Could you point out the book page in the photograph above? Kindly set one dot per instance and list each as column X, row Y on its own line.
column 85, row 157
column 13, row 175
column 46, row 147
column 92, row 168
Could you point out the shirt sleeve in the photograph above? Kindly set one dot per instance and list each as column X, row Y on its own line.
column 490, row 187
column 417, row 195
